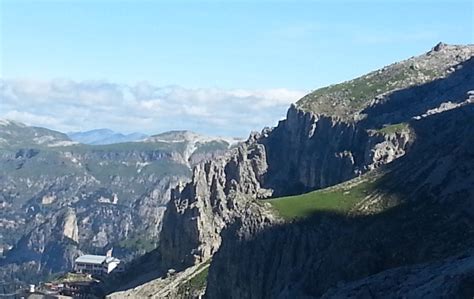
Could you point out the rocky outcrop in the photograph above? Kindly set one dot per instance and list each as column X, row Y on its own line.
column 220, row 191
column 70, row 229
column 304, row 152
column 451, row 278
column 431, row 222
column 307, row 151
column 52, row 245
column 387, row 119
column 413, row 82
column 151, row 207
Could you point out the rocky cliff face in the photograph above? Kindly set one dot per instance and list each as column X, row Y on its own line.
column 304, row 152
column 418, row 217
column 312, row 149
column 452, row 279
column 429, row 228
column 52, row 245
column 308, row 151
column 69, row 225
column 219, row 193
column 394, row 138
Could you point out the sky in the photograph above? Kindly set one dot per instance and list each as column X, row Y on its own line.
column 215, row 67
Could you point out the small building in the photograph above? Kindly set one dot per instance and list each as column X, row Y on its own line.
column 96, row 264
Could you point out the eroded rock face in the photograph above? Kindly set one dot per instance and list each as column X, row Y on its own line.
column 309, row 151
column 51, row 245
column 221, row 191
column 432, row 222
column 451, row 278
column 256, row 256
column 304, row 152
column 70, row 229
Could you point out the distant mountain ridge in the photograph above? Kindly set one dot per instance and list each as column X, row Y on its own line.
column 109, row 195
column 105, row 136
column 17, row 134
column 185, row 135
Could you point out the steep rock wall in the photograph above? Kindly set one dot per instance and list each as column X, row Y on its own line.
column 309, row 151
column 221, row 191
column 433, row 221
column 304, row 152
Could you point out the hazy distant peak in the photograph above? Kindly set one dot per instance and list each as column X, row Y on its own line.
column 105, row 136
column 98, row 131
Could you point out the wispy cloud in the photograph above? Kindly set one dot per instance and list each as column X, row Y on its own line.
column 67, row 105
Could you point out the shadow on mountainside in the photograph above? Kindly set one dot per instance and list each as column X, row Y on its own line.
column 402, row 105
column 139, row 271
column 308, row 152
column 433, row 220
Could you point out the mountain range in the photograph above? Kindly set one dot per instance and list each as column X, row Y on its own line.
column 364, row 190
column 61, row 198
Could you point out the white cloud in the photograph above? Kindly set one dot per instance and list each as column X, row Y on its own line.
column 67, row 105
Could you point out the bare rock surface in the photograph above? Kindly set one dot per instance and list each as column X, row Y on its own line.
column 451, row 278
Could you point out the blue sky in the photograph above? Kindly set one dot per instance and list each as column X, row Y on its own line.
column 260, row 48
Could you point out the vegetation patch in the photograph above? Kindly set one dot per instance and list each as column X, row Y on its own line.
column 197, row 283
column 72, row 277
column 346, row 98
column 199, row 280
column 335, row 199
column 395, row 128
column 211, row 146
column 138, row 242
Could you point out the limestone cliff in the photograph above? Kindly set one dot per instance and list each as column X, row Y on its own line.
column 70, row 229
column 51, row 246
column 450, row 278
column 221, row 190
column 393, row 137
column 432, row 219
column 415, row 218
column 304, row 152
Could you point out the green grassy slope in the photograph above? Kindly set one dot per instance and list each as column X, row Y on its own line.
column 395, row 128
column 338, row 199
column 345, row 99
